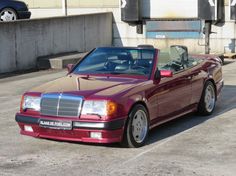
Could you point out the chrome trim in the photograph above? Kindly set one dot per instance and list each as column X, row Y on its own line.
column 89, row 125
column 58, row 103
column 61, row 105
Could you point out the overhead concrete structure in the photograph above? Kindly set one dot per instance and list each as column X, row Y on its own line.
column 174, row 19
column 136, row 10
column 233, row 9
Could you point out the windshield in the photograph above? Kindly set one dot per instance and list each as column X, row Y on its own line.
column 117, row 61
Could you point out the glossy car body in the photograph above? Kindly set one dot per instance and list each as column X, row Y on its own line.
column 164, row 99
column 19, row 7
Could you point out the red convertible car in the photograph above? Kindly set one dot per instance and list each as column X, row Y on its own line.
column 117, row 94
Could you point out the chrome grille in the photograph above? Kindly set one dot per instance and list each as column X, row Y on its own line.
column 63, row 105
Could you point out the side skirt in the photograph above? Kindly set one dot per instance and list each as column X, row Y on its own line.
column 153, row 124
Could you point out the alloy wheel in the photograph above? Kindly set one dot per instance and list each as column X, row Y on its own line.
column 210, row 98
column 139, row 126
column 8, row 15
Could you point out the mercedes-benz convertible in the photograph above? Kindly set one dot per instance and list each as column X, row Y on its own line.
column 117, row 94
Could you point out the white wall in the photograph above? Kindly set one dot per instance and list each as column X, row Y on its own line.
column 169, row 8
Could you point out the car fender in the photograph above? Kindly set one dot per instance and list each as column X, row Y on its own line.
column 15, row 5
column 134, row 100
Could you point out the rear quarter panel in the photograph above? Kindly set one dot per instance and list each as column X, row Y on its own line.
column 211, row 65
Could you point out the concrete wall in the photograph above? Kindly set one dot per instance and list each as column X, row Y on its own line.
column 23, row 41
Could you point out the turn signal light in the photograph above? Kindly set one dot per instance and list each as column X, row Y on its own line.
column 21, row 103
column 111, row 108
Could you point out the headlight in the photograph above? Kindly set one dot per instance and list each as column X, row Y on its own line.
column 99, row 107
column 31, row 102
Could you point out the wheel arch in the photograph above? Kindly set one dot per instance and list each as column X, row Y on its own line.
column 124, row 136
column 137, row 103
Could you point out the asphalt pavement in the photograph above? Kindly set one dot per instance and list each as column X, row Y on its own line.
column 191, row 145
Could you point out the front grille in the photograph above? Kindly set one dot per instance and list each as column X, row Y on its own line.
column 61, row 105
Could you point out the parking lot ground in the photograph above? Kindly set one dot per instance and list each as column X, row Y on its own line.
column 192, row 145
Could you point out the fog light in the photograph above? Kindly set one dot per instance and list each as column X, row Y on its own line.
column 28, row 128
column 96, row 135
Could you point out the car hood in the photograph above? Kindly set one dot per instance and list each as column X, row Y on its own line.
column 89, row 86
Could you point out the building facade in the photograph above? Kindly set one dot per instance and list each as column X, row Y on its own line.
column 222, row 38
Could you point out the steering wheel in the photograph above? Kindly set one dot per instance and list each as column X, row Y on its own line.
column 176, row 65
column 109, row 66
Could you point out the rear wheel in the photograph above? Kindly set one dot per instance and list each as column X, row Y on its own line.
column 208, row 99
column 8, row 14
column 137, row 127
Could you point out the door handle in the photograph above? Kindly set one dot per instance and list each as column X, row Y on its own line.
column 189, row 77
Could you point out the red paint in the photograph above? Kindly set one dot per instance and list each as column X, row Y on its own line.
column 175, row 95
column 166, row 73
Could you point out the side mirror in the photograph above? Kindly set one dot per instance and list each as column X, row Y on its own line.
column 163, row 74
column 166, row 74
column 157, row 76
column 70, row 67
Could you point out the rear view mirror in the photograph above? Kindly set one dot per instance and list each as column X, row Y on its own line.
column 70, row 67
column 166, row 74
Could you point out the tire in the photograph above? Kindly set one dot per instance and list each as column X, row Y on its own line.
column 137, row 127
column 8, row 14
column 208, row 100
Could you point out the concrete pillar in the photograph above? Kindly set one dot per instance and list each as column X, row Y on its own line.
column 64, row 7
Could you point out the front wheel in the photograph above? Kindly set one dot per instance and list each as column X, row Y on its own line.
column 208, row 99
column 137, row 127
column 8, row 14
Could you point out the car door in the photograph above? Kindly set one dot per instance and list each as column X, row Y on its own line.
column 173, row 95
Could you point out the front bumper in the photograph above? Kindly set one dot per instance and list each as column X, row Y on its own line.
column 111, row 131
column 24, row 14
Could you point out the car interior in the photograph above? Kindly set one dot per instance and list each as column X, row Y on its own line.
column 137, row 62
column 176, row 59
column 130, row 62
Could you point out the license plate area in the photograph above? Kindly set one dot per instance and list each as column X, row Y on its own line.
column 56, row 124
